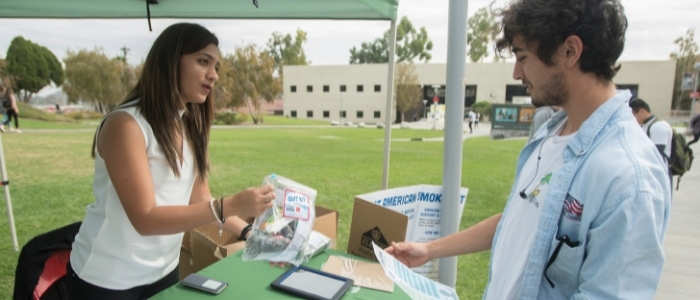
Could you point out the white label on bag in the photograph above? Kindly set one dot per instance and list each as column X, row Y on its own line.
column 296, row 205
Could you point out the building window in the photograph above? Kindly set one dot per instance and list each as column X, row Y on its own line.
column 634, row 88
column 377, row 87
column 342, row 114
column 515, row 91
column 326, row 114
column 326, row 88
column 293, row 89
column 360, row 88
column 309, row 88
column 294, row 114
column 309, row 113
column 377, row 114
column 343, row 88
column 360, row 115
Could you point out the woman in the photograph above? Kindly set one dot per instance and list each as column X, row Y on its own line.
column 151, row 166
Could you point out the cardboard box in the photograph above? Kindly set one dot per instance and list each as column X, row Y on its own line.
column 402, row 214
column 207, row 247
column 186, row 264
column 374, row 223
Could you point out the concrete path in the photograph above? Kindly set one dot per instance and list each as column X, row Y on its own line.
column 681, row 275
column 484, row 129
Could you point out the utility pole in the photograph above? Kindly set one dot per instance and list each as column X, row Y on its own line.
column 125, row 50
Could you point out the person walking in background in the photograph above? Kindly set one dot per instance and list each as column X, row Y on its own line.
column 659, row 131
column 476, row 120
column 470, row 118
column 5, row 95
column 541, row 115
column 695, row 126
column 9, row 108
column 589, row 208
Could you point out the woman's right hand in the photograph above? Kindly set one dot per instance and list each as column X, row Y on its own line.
column 250, row 202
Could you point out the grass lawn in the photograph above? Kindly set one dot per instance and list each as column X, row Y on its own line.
column 51, row 175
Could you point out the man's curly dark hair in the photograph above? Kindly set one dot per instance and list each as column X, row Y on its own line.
column 601, row 25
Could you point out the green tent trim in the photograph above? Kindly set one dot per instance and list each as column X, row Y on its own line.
column 201, row 9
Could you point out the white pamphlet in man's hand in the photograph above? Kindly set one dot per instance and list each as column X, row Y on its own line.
column 416, row 286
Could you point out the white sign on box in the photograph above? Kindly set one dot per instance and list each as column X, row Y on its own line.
column 421, row 203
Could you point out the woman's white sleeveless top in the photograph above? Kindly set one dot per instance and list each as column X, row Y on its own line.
column 108, row 252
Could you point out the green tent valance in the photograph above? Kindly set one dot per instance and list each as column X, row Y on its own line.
column 201, row 9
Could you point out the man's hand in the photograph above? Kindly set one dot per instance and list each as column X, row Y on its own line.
column 410, row 254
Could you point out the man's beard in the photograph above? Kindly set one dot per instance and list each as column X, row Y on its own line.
column 554, row 92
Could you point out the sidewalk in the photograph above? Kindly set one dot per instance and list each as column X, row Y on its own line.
column 681, row 275
column 483, row 130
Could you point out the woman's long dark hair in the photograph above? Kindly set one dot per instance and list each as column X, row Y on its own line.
column 158, row 96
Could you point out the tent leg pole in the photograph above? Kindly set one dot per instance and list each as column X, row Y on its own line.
column 8, row 200
column 389, row 98
column 454, row 112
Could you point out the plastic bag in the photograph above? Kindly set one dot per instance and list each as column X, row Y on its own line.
column 317, row 244
column 281, row 233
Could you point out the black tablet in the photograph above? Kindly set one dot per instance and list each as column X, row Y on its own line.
column 312, row 284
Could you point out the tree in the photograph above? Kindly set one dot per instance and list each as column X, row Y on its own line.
column 482, row 28
column 286, row 50
column 410, row 44
column 246, row 78
column 407, row 92
column 685, row 58
column 32, row 67
column 94, row 78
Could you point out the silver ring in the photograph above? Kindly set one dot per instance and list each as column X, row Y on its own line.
column 267, row 199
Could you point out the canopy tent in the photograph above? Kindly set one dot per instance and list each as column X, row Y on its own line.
column 222, row 9
column 201, row 9
column 294, row 9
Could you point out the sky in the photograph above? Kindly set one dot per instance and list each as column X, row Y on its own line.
column 653, row 26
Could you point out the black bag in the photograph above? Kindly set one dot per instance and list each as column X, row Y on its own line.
column 681, row 155
column 53, row 245
column 6, row 102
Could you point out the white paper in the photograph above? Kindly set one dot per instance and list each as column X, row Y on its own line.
column 416, row 286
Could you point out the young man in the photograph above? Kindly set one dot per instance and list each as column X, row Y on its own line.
column 589, row 208
column 659, row 131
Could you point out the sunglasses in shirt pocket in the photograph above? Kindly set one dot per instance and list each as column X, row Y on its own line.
column 565, row 261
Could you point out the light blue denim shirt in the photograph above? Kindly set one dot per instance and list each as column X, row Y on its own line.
column 612, row 196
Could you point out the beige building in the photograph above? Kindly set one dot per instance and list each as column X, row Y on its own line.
column 324, row 92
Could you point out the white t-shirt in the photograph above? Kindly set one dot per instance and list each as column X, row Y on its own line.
column 472, row 116
column 519, row 227
column 660, row 133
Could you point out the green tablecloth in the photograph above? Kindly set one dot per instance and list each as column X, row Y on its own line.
column 251, row 280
